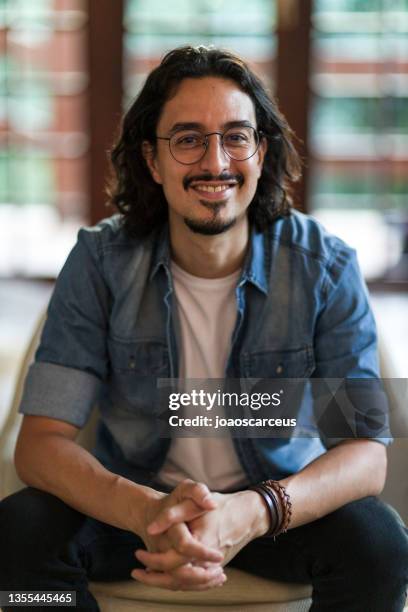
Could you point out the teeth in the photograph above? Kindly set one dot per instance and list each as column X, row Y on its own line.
column 212, row 188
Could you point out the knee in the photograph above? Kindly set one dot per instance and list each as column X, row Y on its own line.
column 22, row 516
column 15, row 511
column 21, row 527
column 30, row 517
column 374, row 543
column 390, row 547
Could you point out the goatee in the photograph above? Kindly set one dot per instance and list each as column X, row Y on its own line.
column 209, row 228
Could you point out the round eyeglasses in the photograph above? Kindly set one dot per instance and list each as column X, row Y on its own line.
column 189, row 146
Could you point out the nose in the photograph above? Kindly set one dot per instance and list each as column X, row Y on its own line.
column 214, row 160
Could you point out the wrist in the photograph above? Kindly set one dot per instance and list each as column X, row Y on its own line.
column 259, row 514
column 278, row 504
column 139, row 504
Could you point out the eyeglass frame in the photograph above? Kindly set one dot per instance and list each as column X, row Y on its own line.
column 259, row 134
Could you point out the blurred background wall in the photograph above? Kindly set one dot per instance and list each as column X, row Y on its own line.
column 68, row 69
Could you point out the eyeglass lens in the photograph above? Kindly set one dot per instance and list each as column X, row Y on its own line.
column 189, row 146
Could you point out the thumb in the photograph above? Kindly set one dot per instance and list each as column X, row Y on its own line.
column 196, row 491
column 185, row 511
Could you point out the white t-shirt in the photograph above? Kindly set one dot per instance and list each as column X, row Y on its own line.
column 207, row 314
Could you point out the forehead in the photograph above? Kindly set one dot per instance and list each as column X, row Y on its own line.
column 209, row 101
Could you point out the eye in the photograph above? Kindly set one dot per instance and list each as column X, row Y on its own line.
column 188, row 140
column 237, row 138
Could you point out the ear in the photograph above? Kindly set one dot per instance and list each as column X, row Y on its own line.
column 149, row 154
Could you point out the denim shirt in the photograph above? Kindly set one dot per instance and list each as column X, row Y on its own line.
column 111, row 331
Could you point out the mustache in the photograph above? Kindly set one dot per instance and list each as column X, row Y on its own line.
column 223, row 177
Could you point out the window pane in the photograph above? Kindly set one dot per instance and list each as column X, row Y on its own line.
column 359, row 128
column 153, row 27
column 43, row 132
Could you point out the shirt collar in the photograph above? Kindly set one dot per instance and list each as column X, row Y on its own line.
column 161, row 251
column 255, row 263
column 253, row 271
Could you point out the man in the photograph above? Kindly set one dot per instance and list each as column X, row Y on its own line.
column 206, row 274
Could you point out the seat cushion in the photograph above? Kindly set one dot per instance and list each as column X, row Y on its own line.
column 242, row 591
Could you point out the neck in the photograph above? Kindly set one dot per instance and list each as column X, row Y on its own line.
column 210, row 256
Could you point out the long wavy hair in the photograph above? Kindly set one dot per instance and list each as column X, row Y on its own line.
column 131, row 188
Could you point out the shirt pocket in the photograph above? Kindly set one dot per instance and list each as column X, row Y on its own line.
column 135, row 368
column 268, row 363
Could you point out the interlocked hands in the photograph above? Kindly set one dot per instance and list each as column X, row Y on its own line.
column 192, row 533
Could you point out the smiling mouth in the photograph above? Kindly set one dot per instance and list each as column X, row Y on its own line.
column 214, row 189
column 211, row 188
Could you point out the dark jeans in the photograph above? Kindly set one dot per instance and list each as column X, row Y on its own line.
column 356, row 558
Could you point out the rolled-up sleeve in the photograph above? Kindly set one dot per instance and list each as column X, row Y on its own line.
column 349, row 399
column 71, row 361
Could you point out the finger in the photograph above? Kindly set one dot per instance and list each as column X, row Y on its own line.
column 157, row 579
column 205, row 564
column 188, row 546
column 169, row 560
column 217, row 582
column 197, row 491
column 186, row 510
column 185, row 582
column 162, row 561
column 193, row 575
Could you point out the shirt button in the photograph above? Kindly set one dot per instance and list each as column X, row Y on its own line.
column 279, row 369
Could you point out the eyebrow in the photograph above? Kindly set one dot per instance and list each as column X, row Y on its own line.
column 193, row 125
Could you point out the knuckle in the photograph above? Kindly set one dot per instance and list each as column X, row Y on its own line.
column 183, row 546
column 185, row 573
column 169, row 514
column 186, row 482
column 202, row 487
column 188, row 575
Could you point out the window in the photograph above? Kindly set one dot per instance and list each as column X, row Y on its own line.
column 356, row 148
column 43, row 133
column 359, row 129
column 153, row 27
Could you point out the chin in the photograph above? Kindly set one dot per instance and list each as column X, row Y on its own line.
column 211, row 227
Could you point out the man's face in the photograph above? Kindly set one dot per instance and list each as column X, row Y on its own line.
column 213, row 194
